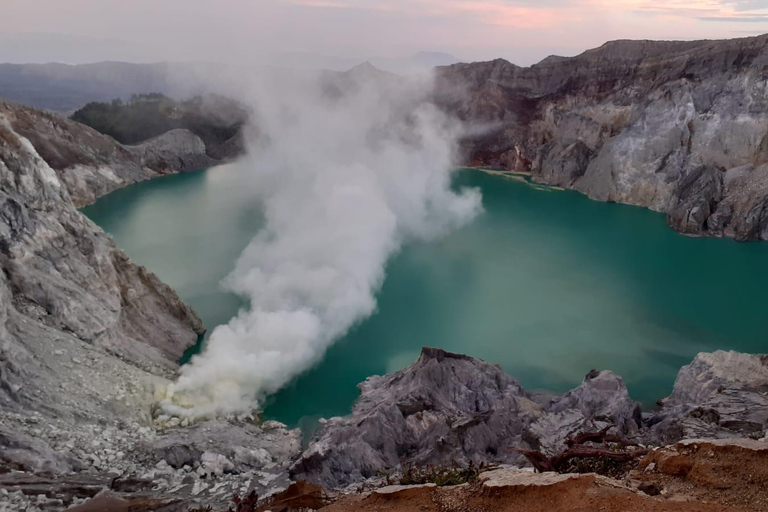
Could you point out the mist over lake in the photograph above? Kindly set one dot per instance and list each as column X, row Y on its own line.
column 545, row 282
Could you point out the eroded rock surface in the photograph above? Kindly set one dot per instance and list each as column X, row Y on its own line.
column 88, row 339
column 678, row 127
column 719, row 395
column 90, row 164
column 176, row 150
column 448, row 408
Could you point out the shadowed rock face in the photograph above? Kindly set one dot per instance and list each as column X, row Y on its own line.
column 678, row 127
column 447, row 407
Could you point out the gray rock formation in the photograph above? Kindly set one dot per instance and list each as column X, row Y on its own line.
column 190, row 466
column 87, row 163
column 678, row 127
column 88, row 338
column 83, row 331
column 719, row 395
column 91, row 165
column 179, row 150
column 68, row 293
column 448, row 408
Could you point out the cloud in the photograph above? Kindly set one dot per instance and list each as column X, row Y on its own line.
column 755, row 18
column 733, row 11
column 243, row 31
column 532, row 14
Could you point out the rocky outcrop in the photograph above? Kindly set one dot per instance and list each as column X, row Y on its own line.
column 449, row 408
column 87, row 163
column 179, row 150
column 89, row 340
column 84, row 332
column 204, row 463
column 718, row 395
column 70, row 297
column 678, row 127
column 90, row 164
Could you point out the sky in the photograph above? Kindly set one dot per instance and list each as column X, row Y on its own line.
column 522, row 31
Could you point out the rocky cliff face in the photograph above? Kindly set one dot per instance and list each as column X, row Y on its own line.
column 448, row 408
column 176, row 150
column 87, row 338
column 90, row 164
column 81, row 327
column 678, row 127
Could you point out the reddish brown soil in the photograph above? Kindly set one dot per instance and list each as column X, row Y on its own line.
column 691, row 478
column 584, row 494
column 731, row 475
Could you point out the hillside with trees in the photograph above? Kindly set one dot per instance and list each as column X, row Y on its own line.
column 215, row 119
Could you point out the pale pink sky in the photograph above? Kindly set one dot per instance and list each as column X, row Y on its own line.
column 522, row 31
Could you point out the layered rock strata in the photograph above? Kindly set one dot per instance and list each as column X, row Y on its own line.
column 677, row 127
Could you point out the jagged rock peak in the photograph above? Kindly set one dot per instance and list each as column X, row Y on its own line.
column 439, row 354
column 448, row 407
column 366, row 70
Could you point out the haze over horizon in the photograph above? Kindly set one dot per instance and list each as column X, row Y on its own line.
column 340, row 33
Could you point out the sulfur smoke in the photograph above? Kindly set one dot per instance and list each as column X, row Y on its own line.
column 348, row 169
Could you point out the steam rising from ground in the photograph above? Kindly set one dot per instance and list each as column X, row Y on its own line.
column 348, row 168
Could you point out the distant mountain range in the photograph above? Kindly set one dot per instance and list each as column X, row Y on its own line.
column 416, row 63
column 41, row 48
column 65, row 88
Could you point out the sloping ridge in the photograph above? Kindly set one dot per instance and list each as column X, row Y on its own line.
column 80, row 324
column 677, row 127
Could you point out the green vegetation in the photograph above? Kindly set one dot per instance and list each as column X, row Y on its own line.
column 600, row 465
column 212, row 118
column 440, row 475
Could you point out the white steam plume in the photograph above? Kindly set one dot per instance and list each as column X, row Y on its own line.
column 349, row 168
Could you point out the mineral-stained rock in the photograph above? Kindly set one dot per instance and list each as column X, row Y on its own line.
column 732, row 471
column 678, row 127
column 513, row 490
column 449, row 408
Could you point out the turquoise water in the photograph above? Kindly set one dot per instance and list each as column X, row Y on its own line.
column 546, row 282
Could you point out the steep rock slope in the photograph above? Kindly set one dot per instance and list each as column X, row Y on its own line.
column 88, row 339
column 82, row 329
column 91, row 164
column 678, row 127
